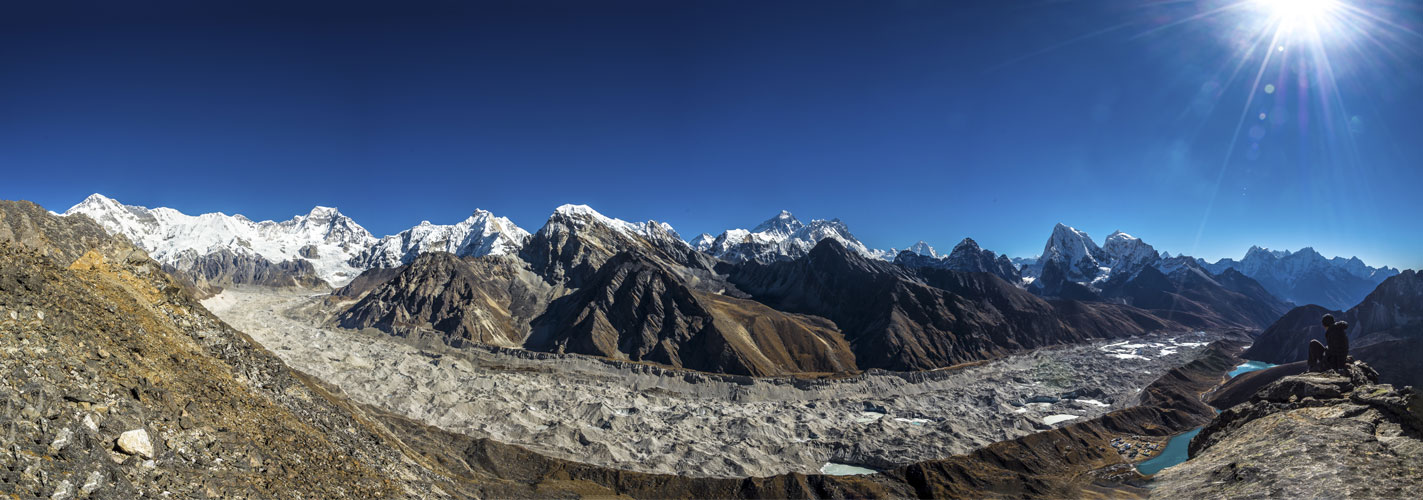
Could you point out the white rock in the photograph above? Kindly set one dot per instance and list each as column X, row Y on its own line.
column 136, row 442
column 93, row 482
column 61, row 440
column 62, row 492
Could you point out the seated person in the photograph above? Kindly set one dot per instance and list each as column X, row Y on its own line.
column 1334, row 356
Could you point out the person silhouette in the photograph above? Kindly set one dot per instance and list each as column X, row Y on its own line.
column 1335, row 355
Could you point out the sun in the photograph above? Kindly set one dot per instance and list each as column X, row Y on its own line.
column 1298, row 12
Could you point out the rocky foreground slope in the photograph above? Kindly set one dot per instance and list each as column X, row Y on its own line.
column 117, row 384
column 1313, row 435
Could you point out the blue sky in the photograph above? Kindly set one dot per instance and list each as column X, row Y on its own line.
column 907, row 119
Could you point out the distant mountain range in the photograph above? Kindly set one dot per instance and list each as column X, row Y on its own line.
column 784, row 297
column 1306, row 277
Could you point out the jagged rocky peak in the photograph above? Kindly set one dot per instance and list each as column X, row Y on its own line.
column 1128, row 254
column 581, row 215
column 922, row 248
column 967, row 256
column 1074, row 253
column 1307, row 277
column 325, row 238
column 702, row 242
column 481, row 234
column 577, row 240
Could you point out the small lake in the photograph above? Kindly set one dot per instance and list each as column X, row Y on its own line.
column 1174, row 453
column 1250, row 366
column 1176, row 448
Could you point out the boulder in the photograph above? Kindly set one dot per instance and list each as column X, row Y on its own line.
column 136, row 442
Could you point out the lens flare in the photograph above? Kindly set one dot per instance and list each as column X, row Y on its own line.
column 1299, row 12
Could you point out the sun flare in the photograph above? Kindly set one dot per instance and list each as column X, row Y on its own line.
column 1299, row 12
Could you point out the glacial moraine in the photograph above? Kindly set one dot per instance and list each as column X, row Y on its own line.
column 641, row 418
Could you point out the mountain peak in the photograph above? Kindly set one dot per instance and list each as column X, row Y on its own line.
column 966, row 245
column 922, row 248
column 577, row 210
column 783, row 223
column 96, row 198
column 322, row 212
column 94, row 201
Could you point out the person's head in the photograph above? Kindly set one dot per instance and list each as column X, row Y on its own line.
column 1328, row 320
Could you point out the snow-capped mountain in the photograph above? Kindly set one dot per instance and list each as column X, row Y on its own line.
column 480, row 234
column 324, row 238
column 967, row 257
column 922, row 248
column 1306, row 277
column 577, row 240
column 1128, row 254
column 1080, row 260
column 782, row 237
column 1074, row 254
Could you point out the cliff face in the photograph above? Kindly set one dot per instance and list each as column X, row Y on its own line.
column 1308, row 435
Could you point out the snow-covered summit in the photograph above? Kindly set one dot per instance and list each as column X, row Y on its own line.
column 1075, row 254
column 478, row 235
column 923, row 249
column 783, row 237
column 323, row 237
column 1128, row 254
column 580, row 215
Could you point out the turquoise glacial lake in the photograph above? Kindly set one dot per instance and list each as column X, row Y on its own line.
column 1175, row 451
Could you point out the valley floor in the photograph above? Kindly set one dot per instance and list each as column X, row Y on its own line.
column 687, row 423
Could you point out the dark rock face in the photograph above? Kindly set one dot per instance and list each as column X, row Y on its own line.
column 895, row 321
column 368, row 280
column 1308, row 435
column 1053, row 283
column 224, row 268
column 966, row 257
column 474, row 300
column 634, row 308
column 1385, row 330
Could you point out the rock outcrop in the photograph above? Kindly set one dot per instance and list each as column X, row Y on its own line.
column 1312, row 435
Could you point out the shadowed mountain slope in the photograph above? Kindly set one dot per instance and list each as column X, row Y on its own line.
column 894, row 320
column 635, row 308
